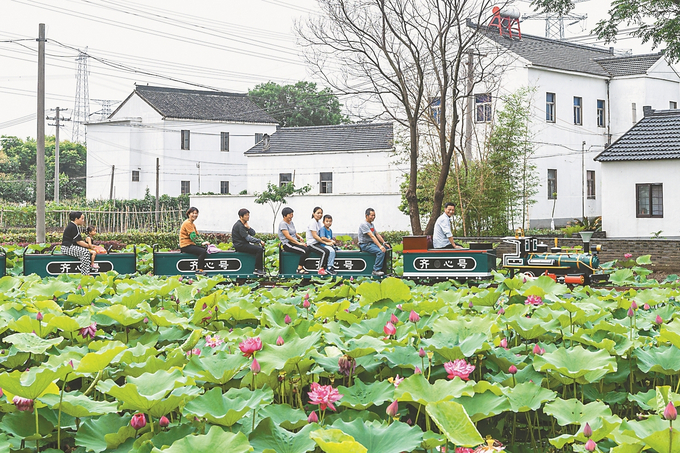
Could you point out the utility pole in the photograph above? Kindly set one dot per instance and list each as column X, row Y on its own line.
column 198, row 165
column 158, row 188
column 40, row 142
column 113, row 171
column 57, row 118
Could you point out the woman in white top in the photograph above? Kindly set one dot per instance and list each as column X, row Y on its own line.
column 291, row 241
column 316, row 242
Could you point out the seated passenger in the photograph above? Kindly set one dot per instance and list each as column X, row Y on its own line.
column 326, row 235
column 244, row 240
column 372, row 242
column 443, row 237
column 317, row 243
column 188, row 237
column 72, row 243
column 291, row 241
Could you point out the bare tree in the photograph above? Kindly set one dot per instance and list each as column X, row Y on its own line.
column 404, row 54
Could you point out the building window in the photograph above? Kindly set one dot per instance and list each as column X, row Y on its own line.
column 224, row 141
column 258, row 138
column 634, row 112
column 578, row 118
column 224, row 187
column 672, row 105
column 135, row 175
column 590, row 181
column 483, row 106
column 600, row 113
column 326, row 182
column 649, row 200
column 552, row 184
column 185, row 139
column 185, row 187
column 550, row 107
column 285, row 178
column 435, row 109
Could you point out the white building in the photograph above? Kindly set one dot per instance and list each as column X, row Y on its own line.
column 584, row 98
column 640, row 178
column 197, row 137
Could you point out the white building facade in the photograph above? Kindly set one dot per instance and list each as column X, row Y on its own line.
column 197, row 138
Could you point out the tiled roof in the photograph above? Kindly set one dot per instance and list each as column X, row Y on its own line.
column 177, row 103
column 347, row 137
column 633, row 65
column 656, row 136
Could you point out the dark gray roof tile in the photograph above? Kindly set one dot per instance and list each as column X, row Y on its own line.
column 632, row 65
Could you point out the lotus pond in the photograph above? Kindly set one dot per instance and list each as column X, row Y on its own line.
column 142, row 364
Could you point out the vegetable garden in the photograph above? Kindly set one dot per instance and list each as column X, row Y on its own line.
column 147, row 364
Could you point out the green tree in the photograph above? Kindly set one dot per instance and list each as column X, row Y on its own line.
column 301, row 104
column 657, row 21
column 275, row 196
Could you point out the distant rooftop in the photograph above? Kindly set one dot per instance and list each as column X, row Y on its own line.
column 656, row 136
column 177, row 103
column 629, row 65
column 339, row 138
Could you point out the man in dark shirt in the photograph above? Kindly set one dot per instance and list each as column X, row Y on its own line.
column 244, row 240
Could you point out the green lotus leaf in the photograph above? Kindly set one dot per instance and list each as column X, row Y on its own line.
column 131, row 299
column 243, row 310
column 8, row 284
column 145, row 392
column 92, row 432
column 78, row 405
column 284, row 416
column 29, row 342
column 153, row 364
column 432, row 440
column 545, row 287
column 163, row 318
column 454, row 422
column 576, row 363
column 328, row 310
column 532, row 328
column 390, row 288
column 138, row 354
column 25, row 324
column 365, row 345
column 485, row 298
column 417, row 389
column 51, row 288
column 284, row 357
column 671, row 332
column 454, row 346
column 484, row 405
column 372, row 326
column 614, row 344
column 227, row 409
column 335, row 441
column 164, row 439
column 268, row 436
column 274, row 315
column 185, row 293
column 361, row 396
column 94, row 362
column 333, row 294
column 652, row 296
column 170, row 403
column 122, row 315
column 655, row 433
column 67, row 323
column 643, row 260
column 84, row 299
column 646, row 400
column 32, row 383
column 22, row 424
column 601, row 426
column 216, row 440
column 4, row 440
column 662, row 359
column 622, row 277
column 402, row 357
column 219, row 368
column 528, row 396
column 378, row 437
column 574, row 412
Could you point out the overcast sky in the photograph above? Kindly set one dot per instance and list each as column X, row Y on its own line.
column 231, row 45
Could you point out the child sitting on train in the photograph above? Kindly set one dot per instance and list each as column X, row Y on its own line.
column 326, row 233
column 94, row 249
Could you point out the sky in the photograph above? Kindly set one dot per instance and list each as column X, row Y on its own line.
column 230, row 45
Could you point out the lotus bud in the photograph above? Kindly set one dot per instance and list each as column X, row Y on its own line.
column 399, row 307
column 504, row 343
column 646, row 307
column 255, row 366
column 23, row 404
column 392, row 409
column 590, row 445
column 389, row 329
column 417, row 370
column 306, row 304
column 659, row 320
column 670, row 413
column 313, row 418
column 409, row 422
column 146, row 320
column 39, row 316
column 634, row 305
column 163, row 422
column 413, row 316
column 287, row 319
column 631, row 313
column 587, row 431
column 306, row 296
column 70, row 362
column 394, row 319
column 421, row 353
column 512, row 369
column 470, row 305
column 538, row 350
column 347, row 365
column 501, row 311
column 138, row 421
column 279, row 341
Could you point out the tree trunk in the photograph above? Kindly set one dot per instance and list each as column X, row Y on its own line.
column 411, row 194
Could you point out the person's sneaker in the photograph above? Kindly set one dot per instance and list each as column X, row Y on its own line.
column 322, row 271
column 378, row 273
column 259, row 272
column 95, row 266
column 201, row 272
column 331, row 272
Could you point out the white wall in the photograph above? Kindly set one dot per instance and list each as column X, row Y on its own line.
column 618, row 193
column 219, row 213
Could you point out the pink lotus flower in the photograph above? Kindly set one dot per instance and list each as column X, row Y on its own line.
column 512, row 369
column 255, row 366
column 501, row 311
column 313, row 418
column 163, row 422
column 646, row 307
column 590, row 445
column 279, row 341
column 306, row 304
column 464, row 450
column 250, row 346
column 213, row 341
column 504, row 343
column 460, row 368
column 23, row 404
column 630, row 313
column 287, row 319
column 392, row 409
column 587, row 430
column 413, row 316
column 421, row 353
column 399, row 307
column 398, row 380
column 470, row 304
column 538, row 350
column 89, row 331
column 534, row 300
column 670, row 413
column 633, row 305
column 417, row 370
column 389, row 329
column 394, row 319
column 324, row 396
column 659, row 320
column 39, row 316
column 347, row 365
column 194, row 351
column 628, row 256
column 138, row 421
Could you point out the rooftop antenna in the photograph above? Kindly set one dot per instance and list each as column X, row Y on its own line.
column 81, row 110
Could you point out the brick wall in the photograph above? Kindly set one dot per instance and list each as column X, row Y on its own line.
column 665, row 252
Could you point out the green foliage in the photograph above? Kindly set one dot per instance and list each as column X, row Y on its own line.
column 589, row 224
column 301, row 104
column 275, row 196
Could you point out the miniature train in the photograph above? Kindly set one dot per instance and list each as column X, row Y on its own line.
column 421, row 262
